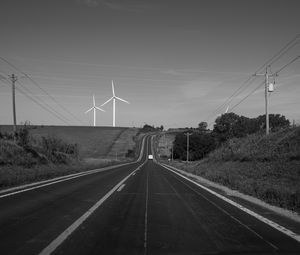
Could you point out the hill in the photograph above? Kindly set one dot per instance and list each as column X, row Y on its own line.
column 43, row 152
column 93, row 142
column 264, row 167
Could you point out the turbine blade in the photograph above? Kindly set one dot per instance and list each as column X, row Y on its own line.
column 113, row 89
column 123, row 100
column 89, row 110
column 227, row 109
column 94, row 101
column 107, row 101
column 99, row 109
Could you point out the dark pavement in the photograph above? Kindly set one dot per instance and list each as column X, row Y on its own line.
column 154, row 212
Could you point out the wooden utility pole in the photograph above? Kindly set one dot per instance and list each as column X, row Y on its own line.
column 187, row 146
column 267, row 75
column 13, row 79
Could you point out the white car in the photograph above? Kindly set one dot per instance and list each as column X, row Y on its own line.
column 150, row 157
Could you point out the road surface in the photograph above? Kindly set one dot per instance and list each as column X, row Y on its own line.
column 139, row 208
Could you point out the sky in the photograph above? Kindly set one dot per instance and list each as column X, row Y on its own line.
column 175, row 61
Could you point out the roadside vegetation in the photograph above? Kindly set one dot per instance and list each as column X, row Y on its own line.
column 266, row 167
column 35, row 155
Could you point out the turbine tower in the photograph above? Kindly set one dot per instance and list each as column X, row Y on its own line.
column 113, row 98
column 94, row 108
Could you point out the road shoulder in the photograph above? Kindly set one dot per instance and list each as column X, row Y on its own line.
column 283, row 217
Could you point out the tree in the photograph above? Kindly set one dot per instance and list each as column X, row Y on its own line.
column 202, row 127
column 224, row 126
column 200, row 144
column 276, row 121
column 147, row 128
column 245, row 126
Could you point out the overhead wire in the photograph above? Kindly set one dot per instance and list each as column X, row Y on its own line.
column 37, row 85
column 293, row 42
column 30, row 95
column 256, row 88
column 49, row 109
column 286, row 65
column 278, row 71
column 281, row 52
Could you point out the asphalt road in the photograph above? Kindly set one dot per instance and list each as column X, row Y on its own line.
column 132, row 209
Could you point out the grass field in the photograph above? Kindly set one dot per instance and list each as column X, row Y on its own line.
column 94, row 142
column 98, row 147
column 264, row 167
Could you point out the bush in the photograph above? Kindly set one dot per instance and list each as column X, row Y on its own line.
column 57, row 151
column 22, row 136
column 280, row 145
column 130, row 153
column 12, row 154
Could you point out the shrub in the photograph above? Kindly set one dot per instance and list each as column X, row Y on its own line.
column 22, row 136
column 57, row 150
column 280, row 145
column 12, row 154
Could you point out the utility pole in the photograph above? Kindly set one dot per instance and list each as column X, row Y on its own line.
column 187, row 146
column 13, row 79
column 267, row 89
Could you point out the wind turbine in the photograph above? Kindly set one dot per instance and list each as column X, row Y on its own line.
column 94, row 108
column 113, row 98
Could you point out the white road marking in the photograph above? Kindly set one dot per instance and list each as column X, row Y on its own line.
column 47, row 183
column 246, row 210
column 37, row 185
column 134, row 173
column 121, row 187
column 146, row 215
column 65, row 234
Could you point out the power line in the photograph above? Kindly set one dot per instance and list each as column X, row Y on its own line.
column 272, row 60
column 36, row 84
column 37, row 101
column 259, row 85
column 281, row 52
column 286, row 65
column 244, row 85
column 50, row 109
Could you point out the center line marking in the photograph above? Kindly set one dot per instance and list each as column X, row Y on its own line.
column 121, row 187
column 64, row 235
column 146, row 214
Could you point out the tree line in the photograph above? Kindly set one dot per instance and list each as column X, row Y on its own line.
column 227, row 126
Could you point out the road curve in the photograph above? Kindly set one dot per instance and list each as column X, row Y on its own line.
column 141, row 208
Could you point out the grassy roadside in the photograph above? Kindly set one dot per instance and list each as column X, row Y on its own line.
column 265, row 168
column 33, row 158
column 17, row 175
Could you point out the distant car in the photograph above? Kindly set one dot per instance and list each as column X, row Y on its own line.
column 150, row 157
